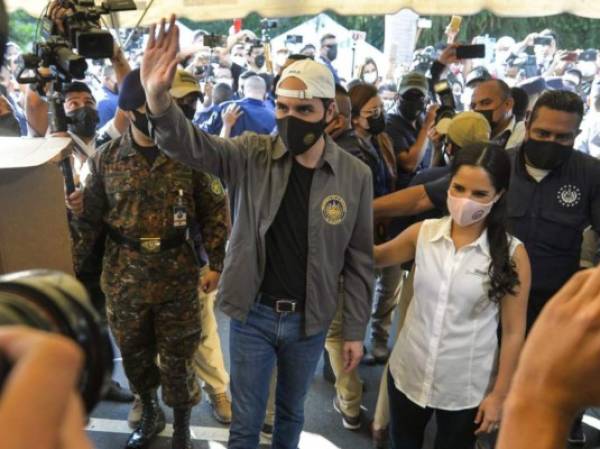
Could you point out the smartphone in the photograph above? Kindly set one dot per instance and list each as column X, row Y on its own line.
column 543, row 40
column 455, row 23
column 570, row 57
column 470, row 51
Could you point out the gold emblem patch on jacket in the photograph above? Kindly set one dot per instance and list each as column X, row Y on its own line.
column 334, row 209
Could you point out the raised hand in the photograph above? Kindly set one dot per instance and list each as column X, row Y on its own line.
column 159, row 65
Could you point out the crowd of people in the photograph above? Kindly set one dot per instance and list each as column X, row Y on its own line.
column 462, row 196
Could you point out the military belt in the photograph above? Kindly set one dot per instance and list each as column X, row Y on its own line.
column 146, row 245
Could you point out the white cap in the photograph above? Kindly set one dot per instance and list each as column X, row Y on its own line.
column 317, row 78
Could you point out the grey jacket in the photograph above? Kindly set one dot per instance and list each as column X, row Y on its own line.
column 256, row 169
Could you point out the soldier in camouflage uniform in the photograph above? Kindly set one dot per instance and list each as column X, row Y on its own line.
column 150, row 277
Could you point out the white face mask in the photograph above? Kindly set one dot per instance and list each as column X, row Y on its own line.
column 465, row 211
column 370, row 77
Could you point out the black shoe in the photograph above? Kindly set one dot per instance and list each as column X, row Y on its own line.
column 151, row 424
column 349, row 422
column 327, row 369
column 577, row 436
column 117, row 393
column 182, row 438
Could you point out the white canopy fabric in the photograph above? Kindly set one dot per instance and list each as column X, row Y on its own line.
column 206, row 10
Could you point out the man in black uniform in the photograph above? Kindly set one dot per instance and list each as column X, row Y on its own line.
column 554, row 195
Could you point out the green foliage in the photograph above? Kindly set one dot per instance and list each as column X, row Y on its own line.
column 22, row 29
column 573, row 32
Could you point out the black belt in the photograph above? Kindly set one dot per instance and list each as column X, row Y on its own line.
column 280, row 305
column 146, row 245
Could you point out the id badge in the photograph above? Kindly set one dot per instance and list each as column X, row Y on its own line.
column 179, row 217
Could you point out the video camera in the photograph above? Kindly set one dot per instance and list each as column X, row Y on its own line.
column 82, row 33
column 55, row 302
column 443, row 89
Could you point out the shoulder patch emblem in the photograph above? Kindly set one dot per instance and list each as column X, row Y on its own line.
column 334, row 209
column 216, row 187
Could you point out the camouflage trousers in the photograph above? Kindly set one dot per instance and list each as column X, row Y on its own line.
column 170, row 330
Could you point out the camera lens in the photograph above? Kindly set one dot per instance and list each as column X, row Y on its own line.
column 55, row 302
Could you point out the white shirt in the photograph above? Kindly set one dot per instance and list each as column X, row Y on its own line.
column 445, row 354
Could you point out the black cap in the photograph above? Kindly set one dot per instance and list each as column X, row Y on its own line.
column 77, row 86
column 131, row 93
column 478, row 75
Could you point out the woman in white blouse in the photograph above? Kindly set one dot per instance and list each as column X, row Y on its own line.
column 470, row 276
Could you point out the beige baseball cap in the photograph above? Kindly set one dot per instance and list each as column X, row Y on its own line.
column 317, row 78
column 184, row 83
column 465, row 128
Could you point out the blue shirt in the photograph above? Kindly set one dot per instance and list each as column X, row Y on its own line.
column 107, row 106
column 204, row 114
column 257, row 117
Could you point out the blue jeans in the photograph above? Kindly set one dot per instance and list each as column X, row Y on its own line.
column 266, row 338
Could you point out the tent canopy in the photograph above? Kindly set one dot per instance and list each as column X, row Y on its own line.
column 206, row 10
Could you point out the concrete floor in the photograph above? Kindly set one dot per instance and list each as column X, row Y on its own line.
column 323, row 428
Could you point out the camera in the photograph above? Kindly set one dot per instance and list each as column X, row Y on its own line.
column 268, row 24
column 443, row 89
column 55, row 302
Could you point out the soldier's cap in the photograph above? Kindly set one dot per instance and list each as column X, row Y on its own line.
column 465, row 128
column 413, row 80
column 184, row 84
column 131, row 93
column 317, row 78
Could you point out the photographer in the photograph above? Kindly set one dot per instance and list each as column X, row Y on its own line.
column 41, row 389
column 409, row 125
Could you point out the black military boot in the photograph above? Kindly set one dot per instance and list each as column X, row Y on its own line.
column 181, row 428
column 151, row 424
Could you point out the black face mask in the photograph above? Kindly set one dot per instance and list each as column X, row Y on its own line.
column 9, row 126
column 332, row 52
column 259, row 61
column 489, row 116
column 411, row 109
column 546, row 155
column 141, row 123
column 299, row 135
column 376, row 124
column 83, row 121
column 188, row 110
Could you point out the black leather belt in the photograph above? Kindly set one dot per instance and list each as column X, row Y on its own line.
column 280, row 305
column 146, row 245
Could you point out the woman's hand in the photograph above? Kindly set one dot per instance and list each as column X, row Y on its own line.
column 489, row 414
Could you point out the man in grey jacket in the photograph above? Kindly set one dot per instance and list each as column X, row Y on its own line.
column 303, row 219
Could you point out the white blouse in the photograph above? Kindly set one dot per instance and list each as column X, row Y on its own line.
column 447, row 348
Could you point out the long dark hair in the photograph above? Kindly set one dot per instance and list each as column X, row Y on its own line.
column 495, row 161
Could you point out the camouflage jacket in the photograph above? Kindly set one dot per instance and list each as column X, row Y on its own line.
column 137, row 200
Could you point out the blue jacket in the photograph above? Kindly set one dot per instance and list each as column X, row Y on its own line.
column 257, row 117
